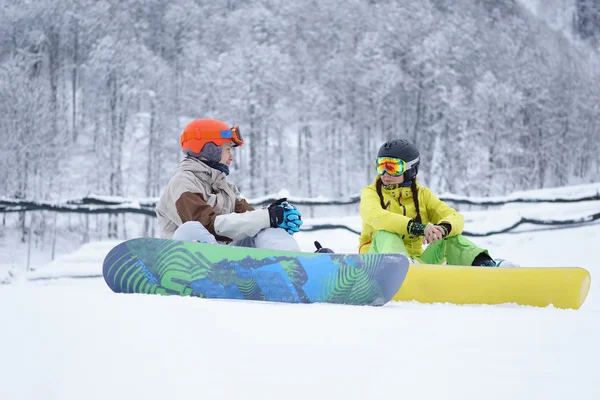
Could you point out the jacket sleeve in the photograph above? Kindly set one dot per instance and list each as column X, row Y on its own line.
column 242, row 225
column 224, row 227
column 379, row 219
column 438, row 211
column 241, row 206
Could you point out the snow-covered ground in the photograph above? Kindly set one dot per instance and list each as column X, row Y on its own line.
column 66, row 336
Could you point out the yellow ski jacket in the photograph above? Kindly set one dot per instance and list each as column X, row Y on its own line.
column 400, row 209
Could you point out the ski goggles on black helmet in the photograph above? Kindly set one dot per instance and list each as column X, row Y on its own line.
column 393, row 166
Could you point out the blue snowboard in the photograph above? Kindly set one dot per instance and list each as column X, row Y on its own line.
column 169, row 267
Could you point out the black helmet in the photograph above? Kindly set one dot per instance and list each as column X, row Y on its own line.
column 404, row 150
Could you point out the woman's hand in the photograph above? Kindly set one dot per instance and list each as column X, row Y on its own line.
column 433, row 233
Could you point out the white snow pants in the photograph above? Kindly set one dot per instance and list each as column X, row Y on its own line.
column 269, row 238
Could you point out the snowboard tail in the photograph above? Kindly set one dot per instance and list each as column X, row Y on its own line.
column 169, row 267
column 560, row 287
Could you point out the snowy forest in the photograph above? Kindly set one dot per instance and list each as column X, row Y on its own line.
column 498, row 95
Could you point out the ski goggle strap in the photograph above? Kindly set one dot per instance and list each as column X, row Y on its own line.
column 232, row 134
column 393, row 166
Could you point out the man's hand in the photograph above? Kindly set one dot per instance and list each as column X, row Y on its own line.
column 284, row 215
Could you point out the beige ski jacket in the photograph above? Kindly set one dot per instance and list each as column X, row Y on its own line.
column 197, row 192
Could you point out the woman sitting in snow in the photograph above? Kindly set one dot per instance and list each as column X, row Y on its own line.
column 199, row 204
column 399, row 216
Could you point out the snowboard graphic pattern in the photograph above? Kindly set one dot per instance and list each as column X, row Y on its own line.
column 168, row 267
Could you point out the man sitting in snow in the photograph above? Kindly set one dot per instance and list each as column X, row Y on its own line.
column 199, row 204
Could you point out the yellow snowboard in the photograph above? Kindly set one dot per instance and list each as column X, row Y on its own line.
column 560, row 287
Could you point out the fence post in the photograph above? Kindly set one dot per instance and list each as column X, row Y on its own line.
column 54, row 236
column 29, row 244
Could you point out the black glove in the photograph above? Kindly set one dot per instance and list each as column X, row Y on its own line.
column 284, row 215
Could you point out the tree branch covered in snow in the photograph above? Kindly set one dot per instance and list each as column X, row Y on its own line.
column 94, row 93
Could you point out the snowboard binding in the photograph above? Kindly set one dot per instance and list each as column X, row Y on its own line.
column 321, row 249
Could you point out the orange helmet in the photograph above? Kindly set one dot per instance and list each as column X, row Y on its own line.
column 201, row 131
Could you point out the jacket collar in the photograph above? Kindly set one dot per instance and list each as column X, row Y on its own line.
column 201, row 170
column 404, row 191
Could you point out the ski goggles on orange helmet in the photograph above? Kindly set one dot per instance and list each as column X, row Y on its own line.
column 219, row 137
column 391, row 166
column 233, row 134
